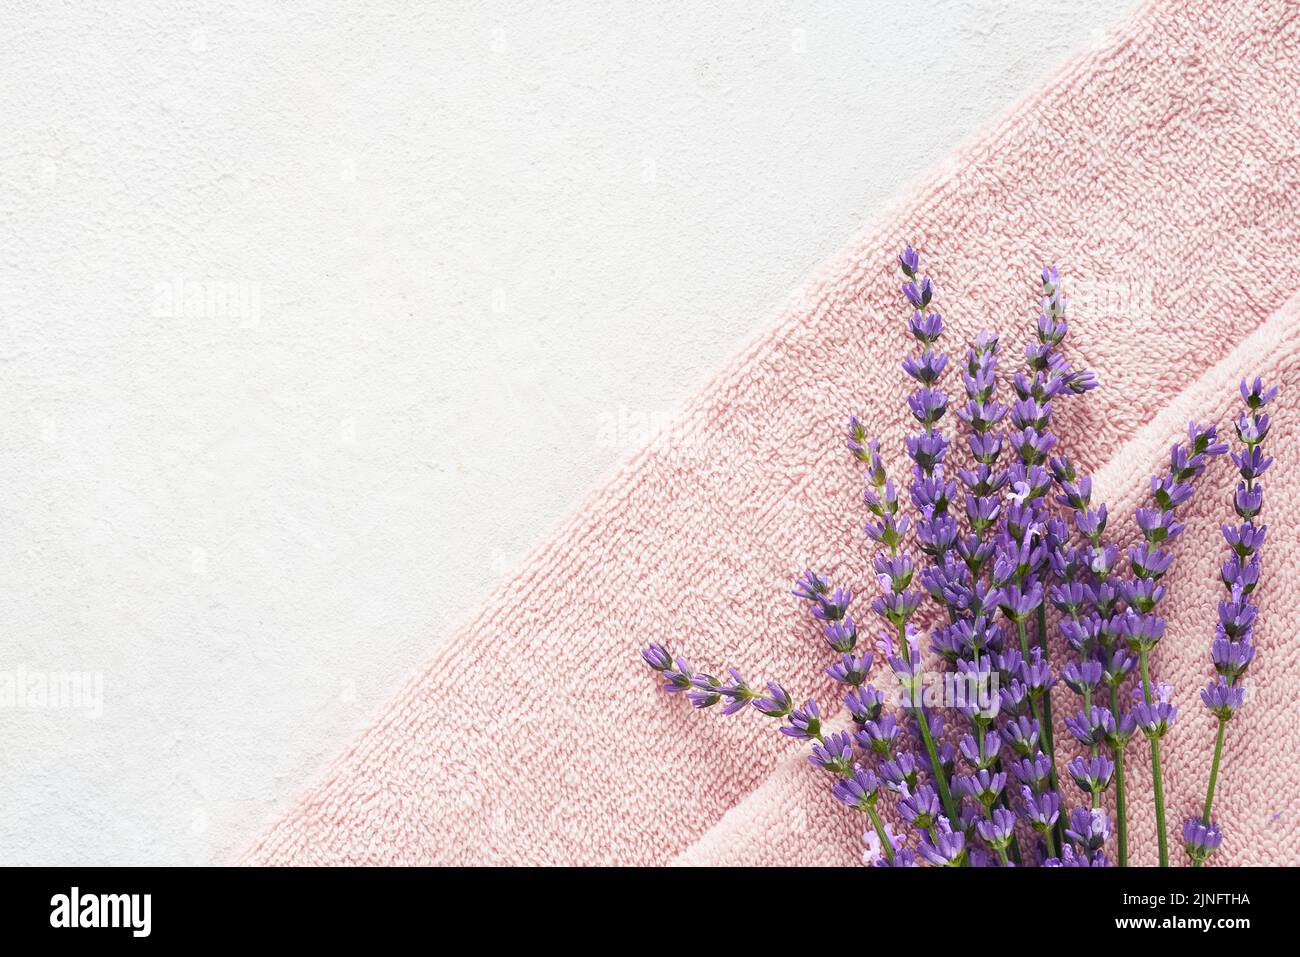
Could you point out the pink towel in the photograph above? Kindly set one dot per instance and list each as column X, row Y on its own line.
column 1160, row 173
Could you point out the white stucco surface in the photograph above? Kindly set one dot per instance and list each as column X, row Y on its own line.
column 313, row 317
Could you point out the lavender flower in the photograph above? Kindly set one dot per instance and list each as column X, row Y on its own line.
column 943, row 846
column 1200, row 839
column 804, row 722
column 834, row 752
column 1233, row 649
column 858, row 790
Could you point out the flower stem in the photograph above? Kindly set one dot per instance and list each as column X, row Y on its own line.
column 1214, row 772
column 940, row 779
column 1214, row 777
column 1157, row 778
column 885, row 844
column 1121, row 812
column 1121, row 809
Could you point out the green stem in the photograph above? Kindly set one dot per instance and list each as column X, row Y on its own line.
column 1051, row 845
column 940, row 779
column 1157, row 778
column 1121, row 809
column 1214, row 772
column 882, row 834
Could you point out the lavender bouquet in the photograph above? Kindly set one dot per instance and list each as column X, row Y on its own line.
column 1001, row 542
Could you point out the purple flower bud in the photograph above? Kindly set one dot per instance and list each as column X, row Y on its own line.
column 1232, row 658
column 656, row 657
column 998, row 830
column 841, row 635
column 1221, row 698
column 918, row 296
column 971, row 752
column 920, row 808
column 983, row 786
column 776, row 703
column 943, row 846
column 1142, row 594
column 1069, row 858
column 1040, row 811
column 1248, row 501
column 1245, row 539
column 1081, row 676
column 1037, row 673
column 1142, row 632
column 1033, row 772
column 1251, row 463
column 909, row 260
column 1201, row 840
column 1089, row 828
column 1092, row 727
column 737, row 693
column 678, row 678
column 927, row 450
column 928, row 327
column 901, row 772
column 1155, row 718
column 864, row 703
column 1251, row 429
column 804, row 722
column 1237, row 616
column 1255, row 395
column 850, row 669
column 834, row 606
column 1149, row 561
column 1091, row 774
column 859, row 790
column 1022, row 736
column 927, row 368
column 810, row 586
column 927, row 405
column 834, row 753
column 879, row 735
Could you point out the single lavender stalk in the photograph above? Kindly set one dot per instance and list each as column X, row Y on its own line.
column 1143, row 629
column 1086, row 598
column 1233, row 649
column 930, row 493
column 855, row 786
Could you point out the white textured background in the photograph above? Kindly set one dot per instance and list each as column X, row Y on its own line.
column 477, row 251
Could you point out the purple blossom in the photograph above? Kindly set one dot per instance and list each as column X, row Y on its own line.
column 1040, row 811
column 1091, row 774
column 864, row 704
column 1155, row 718
column 851, row 669
column 776, row 703
column 1221, row 698
column 834, row 752
column 1201, row 840
column 998, row 829
column 920, row 808
column 943, row 846
column 1089, row 828
column 656, row 657
column 804, row 722
column 858, row 790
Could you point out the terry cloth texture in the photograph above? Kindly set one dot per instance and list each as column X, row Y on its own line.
column 1161, row 173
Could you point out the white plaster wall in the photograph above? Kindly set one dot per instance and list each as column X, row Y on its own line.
column 475, row 251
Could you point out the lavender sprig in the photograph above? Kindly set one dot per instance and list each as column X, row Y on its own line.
column 1087, row 598
column 1149, row 562
column 1233, row 650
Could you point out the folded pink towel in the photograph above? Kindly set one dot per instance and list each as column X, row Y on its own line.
column 1160, row 173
